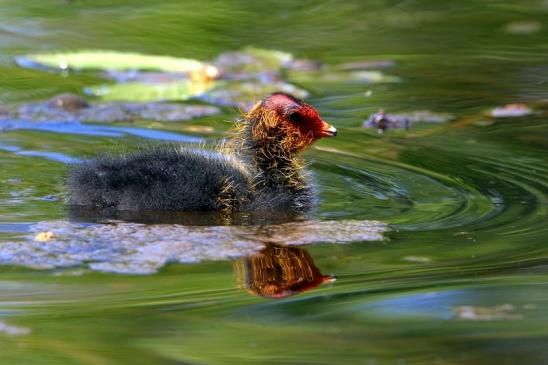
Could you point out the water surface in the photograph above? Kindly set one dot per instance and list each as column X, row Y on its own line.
column 465, row 201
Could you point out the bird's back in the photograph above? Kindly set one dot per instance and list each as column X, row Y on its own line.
column 160, row 179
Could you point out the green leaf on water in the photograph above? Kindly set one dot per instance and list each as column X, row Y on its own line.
column 110, row 60
column 144, row 92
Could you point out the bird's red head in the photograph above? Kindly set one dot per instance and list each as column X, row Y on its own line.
column 291, row 121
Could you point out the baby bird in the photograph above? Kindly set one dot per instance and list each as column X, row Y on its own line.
column 256, row 169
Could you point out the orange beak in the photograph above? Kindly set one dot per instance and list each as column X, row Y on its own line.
column 327, row 130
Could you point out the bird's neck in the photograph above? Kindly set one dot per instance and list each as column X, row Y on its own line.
column 276, row 167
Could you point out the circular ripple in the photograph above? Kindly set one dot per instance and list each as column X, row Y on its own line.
column 427, row 190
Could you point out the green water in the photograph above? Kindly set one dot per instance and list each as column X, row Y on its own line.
column 466, row 201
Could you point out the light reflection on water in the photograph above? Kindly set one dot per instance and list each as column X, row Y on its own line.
column 74, row 127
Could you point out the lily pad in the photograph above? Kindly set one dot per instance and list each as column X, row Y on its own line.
column 154, row 91
column 110, row 60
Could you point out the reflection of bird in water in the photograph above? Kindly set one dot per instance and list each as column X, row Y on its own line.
column 279, row 271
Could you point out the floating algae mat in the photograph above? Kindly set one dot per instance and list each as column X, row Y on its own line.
column 69, row 107
column 224, row 93
column 248, row 60
column 143, row 249
column 237, row 78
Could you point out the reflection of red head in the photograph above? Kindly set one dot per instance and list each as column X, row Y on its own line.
column 279, row 272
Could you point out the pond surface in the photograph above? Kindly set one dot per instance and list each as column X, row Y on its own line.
column 433, row 247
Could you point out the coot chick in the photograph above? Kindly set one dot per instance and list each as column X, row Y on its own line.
column 257, row 168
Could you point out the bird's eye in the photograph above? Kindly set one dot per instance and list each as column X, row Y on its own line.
column 295, row 117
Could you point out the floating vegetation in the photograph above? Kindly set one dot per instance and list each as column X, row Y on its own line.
column 523, row 27
column 154, row 91
column 143, row 249
column 44, row 236
column 476, row 313
column 144, row 76
column 511, row 111
column 224, row 93
column 382, row 120
column 112, row 60
column 69, row 107
column 253, row 60
column 13, row 330
column 236, row 78
column 49, row 198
